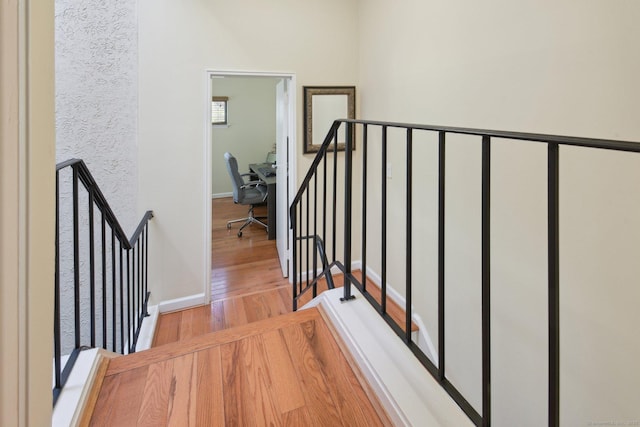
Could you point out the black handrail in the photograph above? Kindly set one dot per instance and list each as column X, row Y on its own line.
column 299, row 220
column 319, row 239
column 123, row 304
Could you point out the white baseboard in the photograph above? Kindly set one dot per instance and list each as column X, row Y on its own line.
column 423, row 340
column 147, row 330
column 221, row 195
column 75, row 392
column 181, row 303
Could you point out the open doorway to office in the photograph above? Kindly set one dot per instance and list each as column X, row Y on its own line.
column 258, row 128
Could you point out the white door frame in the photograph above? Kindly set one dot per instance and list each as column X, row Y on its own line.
column 209, row 73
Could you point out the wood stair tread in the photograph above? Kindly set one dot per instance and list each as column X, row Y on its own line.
column 285, row 370
column 211, row 339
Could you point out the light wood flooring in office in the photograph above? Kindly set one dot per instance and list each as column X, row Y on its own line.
column 244, row 359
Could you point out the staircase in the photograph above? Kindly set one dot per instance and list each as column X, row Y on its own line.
column 242, row 311
column 101, row 288
column 285, row 370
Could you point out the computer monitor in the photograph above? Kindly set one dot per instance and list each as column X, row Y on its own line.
column 271, row 157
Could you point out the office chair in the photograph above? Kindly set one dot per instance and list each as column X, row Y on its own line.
column 245, row 193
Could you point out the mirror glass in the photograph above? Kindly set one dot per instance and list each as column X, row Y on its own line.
column 327, row 108
column 323, row 105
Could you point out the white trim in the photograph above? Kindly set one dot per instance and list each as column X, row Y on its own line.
column 211, row 73
column 221, row 195
column 377, row 280
column 423, row 339
column 147, row 330
column 182, row 303
column 218, row 73
column 292, row 93
column 73, row 396
column 206, row 234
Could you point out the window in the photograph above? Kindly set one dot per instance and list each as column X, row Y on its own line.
column 219, row 110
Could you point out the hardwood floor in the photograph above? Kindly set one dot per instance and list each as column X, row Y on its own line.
column 222, row 314
column 244, row 265
column 284, row 371
column 246, row 280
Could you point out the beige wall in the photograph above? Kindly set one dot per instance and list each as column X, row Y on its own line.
column 567, row 67
column 27, row 165
column 10, row 349
column 306, row 38
column 251, row 133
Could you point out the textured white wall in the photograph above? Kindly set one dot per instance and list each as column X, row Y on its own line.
column 96, row 79
column 96, row 96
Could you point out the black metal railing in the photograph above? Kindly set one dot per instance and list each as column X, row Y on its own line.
column 309, row 237
column 101, row 281
column 312, row 204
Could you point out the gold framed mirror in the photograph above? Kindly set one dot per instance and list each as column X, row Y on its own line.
column 323, row 105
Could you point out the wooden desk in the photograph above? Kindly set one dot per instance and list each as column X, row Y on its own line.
column 271, row 196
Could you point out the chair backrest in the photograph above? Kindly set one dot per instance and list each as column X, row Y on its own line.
column 236, row 179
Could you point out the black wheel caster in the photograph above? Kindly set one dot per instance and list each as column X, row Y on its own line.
column 239, row 233
column 228, row 226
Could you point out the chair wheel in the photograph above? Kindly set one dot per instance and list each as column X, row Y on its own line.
column 239, row 233
column 228, row 226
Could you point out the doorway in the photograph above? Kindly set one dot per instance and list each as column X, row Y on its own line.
column 261, row 123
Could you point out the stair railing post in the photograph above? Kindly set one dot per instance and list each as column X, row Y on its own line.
column 348, row 172
column 57, row 343
column 554, row 282
column 486, row 281
column 293, row 216
column 441, row 254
